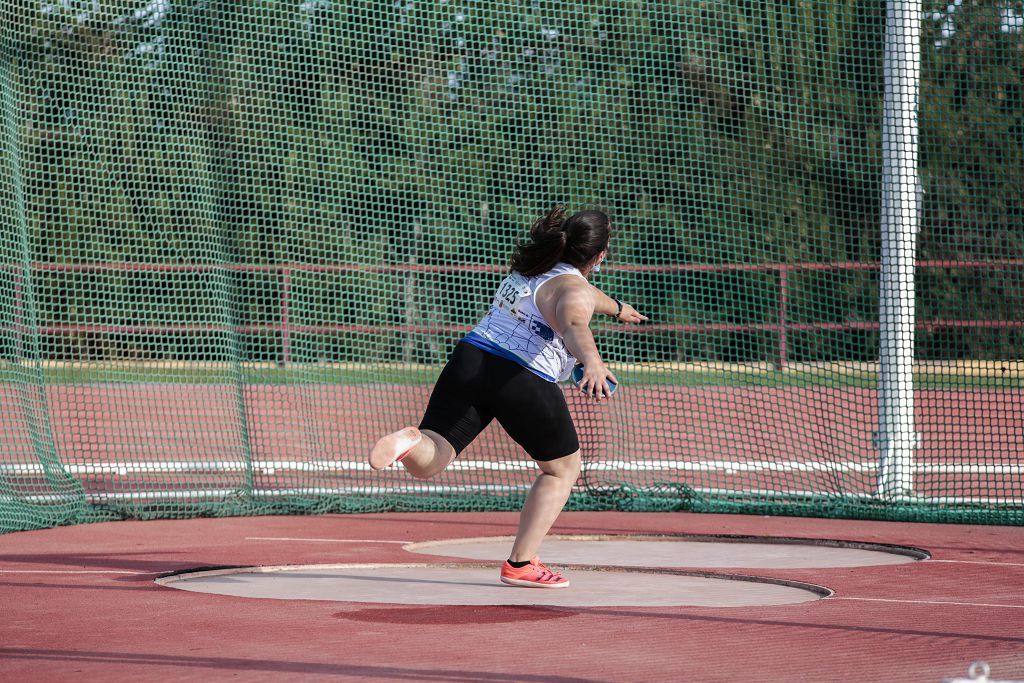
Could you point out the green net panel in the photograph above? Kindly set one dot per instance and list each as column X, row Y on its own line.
column 239, row 239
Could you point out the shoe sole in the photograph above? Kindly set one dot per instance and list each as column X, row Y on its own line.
column 389, row 448
column 533, row 584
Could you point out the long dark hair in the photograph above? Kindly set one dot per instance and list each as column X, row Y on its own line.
column 553, row 238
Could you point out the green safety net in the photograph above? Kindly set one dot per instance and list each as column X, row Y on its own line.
column 238, row 240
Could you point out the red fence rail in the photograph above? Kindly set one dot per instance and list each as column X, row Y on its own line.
column 781, row 327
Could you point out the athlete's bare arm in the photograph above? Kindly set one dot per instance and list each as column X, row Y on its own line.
column 607, row 305
column 568, row 303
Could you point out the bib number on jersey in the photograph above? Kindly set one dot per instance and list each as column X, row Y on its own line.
column 512, row 290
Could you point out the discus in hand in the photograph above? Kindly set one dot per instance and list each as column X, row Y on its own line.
column 577, row 377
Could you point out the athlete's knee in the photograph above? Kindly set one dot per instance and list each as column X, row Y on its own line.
column 574, row 464
column 566, row 468
column 442, row 454
column 436, row 466
column 424, row 472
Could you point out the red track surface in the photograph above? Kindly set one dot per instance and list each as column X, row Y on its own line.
column 60, row 623
column 98, row 424
column 112, row 422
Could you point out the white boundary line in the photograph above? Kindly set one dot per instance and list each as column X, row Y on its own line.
column 268, row 468
column 818, row 496
column 273, row 466
column 927, row 602
column 222, row 494
column 323, row 540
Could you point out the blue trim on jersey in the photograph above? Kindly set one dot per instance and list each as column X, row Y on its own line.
column 487, row 345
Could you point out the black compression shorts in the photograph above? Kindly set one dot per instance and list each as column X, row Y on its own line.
column 476, row 387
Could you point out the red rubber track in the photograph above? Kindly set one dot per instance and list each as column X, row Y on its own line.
column 96, row 425
column 147, row 421
column 911, row 622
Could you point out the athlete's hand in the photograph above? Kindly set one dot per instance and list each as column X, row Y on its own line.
column 630, row 315
column 595, row 380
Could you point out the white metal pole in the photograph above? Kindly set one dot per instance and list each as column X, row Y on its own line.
column 896, row 437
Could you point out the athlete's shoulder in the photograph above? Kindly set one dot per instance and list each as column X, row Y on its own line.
column 563, row 268
column 568, row 290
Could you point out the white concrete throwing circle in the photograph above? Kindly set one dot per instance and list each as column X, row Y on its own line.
column 682, row 551
column 471, row 584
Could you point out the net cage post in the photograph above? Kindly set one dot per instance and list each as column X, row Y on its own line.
column 24, row 318
column 896, row 438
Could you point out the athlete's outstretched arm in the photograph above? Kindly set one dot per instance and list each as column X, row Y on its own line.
column 609, row 306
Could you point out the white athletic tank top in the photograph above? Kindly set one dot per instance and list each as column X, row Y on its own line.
column 516, row 327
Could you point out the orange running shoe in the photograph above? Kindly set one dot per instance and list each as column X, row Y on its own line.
column 393, row 447
column 533, row 575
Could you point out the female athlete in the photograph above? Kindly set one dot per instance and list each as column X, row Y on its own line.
column 507, row 369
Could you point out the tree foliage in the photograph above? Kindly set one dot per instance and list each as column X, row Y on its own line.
column 356, row 132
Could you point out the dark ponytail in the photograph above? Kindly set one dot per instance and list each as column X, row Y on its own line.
column 553, row 238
